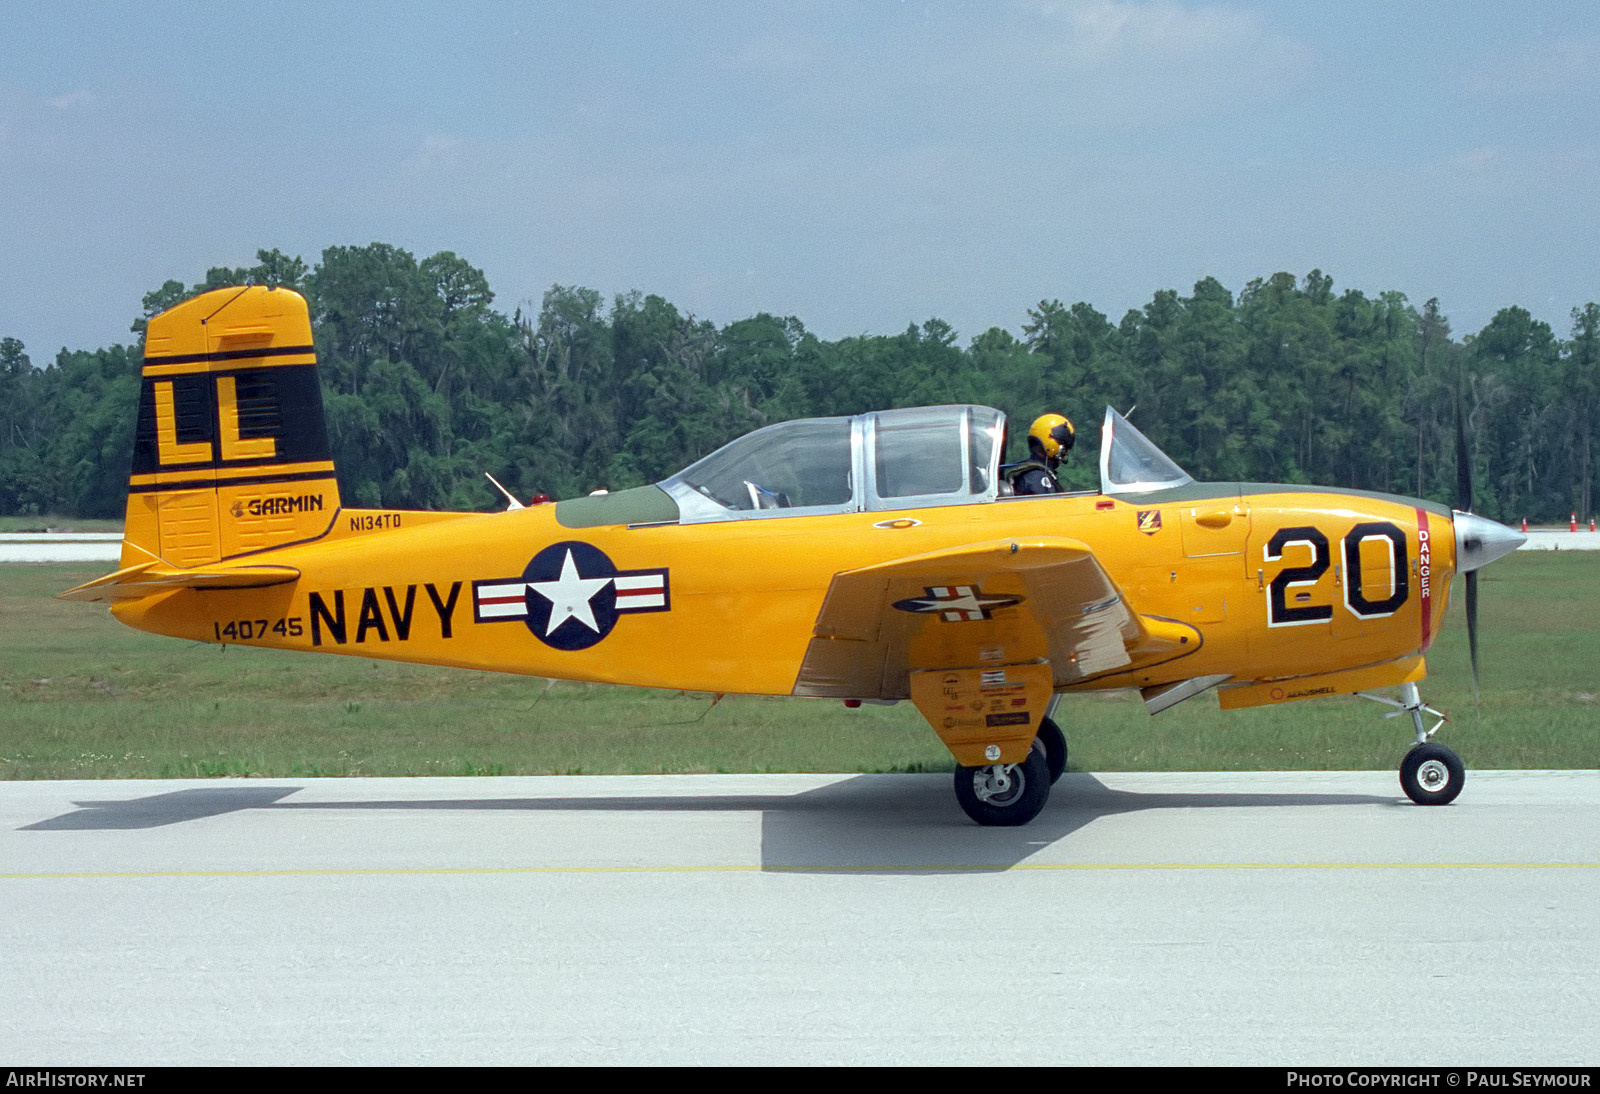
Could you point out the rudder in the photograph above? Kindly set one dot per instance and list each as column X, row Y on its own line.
column 231, row 453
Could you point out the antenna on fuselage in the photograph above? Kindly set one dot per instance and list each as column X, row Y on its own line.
column 512, row 502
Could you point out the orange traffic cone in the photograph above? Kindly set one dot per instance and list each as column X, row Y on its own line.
column 1591, row 522
column 1524, row 525
column 1574, row 522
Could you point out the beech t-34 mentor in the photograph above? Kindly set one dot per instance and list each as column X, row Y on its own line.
column 876, row 557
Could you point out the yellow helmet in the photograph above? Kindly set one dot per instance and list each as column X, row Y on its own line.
column 1054, row 434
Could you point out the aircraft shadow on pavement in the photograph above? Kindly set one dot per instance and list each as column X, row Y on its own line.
column 888, row 823
column 896, row 823
column 159, row 810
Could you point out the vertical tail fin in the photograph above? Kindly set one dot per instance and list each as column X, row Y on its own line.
column 231, row 453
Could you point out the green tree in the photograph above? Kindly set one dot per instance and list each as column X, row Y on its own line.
column 1582, row 383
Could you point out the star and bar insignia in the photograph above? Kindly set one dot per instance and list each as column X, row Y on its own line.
column 570, row 595
column 958, row 603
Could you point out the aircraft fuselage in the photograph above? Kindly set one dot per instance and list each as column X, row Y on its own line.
column 1281, row 582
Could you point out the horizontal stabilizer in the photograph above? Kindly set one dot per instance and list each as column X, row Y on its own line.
column 148, row 578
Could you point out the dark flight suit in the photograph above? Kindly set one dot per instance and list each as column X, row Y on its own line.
column 1034, row 478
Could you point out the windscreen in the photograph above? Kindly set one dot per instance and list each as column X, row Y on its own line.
column 1130, row 463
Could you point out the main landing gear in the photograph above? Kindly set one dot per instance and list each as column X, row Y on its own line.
column 1013, row 794
column 1431, row 774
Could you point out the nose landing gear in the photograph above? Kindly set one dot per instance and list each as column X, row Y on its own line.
column 1431, row 774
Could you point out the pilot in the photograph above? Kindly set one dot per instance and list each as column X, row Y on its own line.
column 1049, row 441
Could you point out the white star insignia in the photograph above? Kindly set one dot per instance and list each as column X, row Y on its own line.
column 569, row 596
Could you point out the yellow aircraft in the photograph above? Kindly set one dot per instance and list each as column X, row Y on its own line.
column 871, row 558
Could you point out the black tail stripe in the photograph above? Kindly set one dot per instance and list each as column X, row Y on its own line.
column 221, row 465
column 230, row 355
column 217, row 484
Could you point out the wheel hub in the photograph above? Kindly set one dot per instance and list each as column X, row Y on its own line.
column 997, row 784
column 1434, row 776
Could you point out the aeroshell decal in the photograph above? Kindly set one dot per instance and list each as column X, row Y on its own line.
column 570, row 596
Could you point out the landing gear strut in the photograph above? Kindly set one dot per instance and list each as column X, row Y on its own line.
column 1431, row 774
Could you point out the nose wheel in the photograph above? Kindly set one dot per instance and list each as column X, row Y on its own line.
column 1431, row 774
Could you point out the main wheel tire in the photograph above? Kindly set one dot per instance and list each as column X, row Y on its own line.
column 1055, row 748
column 1018, row 803
column 1432, row 775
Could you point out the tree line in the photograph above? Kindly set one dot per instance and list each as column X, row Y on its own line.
column 427, row 386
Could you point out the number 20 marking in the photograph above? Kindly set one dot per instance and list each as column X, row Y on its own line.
column 1280, row 613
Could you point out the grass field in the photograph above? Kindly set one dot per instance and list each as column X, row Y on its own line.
column 81, row 696
column 48, row 523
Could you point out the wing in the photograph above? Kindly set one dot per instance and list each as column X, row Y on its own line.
column 1005, row 602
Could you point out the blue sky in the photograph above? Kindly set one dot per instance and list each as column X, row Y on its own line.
column 861, row 166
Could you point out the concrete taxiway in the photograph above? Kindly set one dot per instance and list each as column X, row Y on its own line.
column 1263, row 918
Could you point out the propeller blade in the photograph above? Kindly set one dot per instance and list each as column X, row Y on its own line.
column 1472, row 629
column 1464, row 496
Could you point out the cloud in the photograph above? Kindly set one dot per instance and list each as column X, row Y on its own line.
column 438, row 151
column 781, row 56
column 1548, row 68
column 1021, row 75
column 1480, row 158
column 1168, row 56
column 81, row 97
column 1114, row 30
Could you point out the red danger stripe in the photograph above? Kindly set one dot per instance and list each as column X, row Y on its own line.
column 1425, row 576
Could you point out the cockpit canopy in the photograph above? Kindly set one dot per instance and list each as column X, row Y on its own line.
column 915, row 458
column 890, row 459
